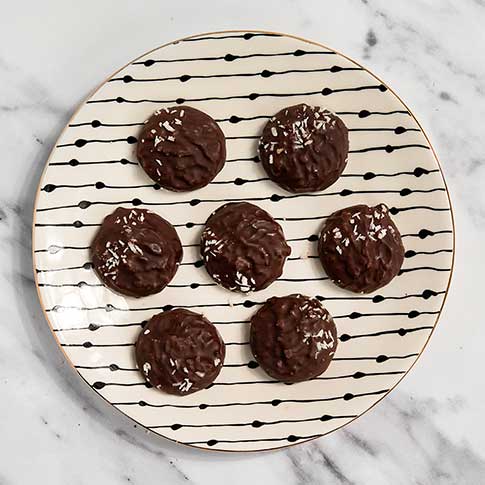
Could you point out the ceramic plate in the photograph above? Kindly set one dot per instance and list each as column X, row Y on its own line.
column 241, row 79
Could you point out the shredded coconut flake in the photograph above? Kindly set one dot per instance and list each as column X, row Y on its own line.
column 168, row 126
column 185, row 385
column 158, row 139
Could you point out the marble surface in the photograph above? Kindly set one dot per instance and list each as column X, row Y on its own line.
column 55, row 429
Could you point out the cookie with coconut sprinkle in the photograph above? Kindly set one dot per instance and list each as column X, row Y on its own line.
column 243, row 247
column 181, row 148
column 136, row 252
column 304, row 148
column 180, row 352
column 293, row 338
column 360, row 248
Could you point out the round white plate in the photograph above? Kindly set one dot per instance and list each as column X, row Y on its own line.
column 241, row 79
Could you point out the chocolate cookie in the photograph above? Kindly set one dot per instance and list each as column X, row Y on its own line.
column 181, row 148
column 360, row 248
column 304, row 148
column 136, row 252
column 180, row 352
column 243, row 247
column 293, row 338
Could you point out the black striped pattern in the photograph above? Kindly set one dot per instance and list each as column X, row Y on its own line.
column 242, row 79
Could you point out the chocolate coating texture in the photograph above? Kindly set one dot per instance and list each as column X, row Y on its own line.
column 304, row 148
column 180, row 352
column 181, row 148
column 136, row 252
column 243, row 247
column 293, row 338
column 360, row 248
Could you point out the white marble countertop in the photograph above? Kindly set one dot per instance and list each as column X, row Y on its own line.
column 56, row 430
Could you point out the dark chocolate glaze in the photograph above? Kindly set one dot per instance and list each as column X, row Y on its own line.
column 361, row 248
column 180, row 352
column 304, row 148
column 243, row 247
column 136, row 252
column 293, row 338
column 181, row 148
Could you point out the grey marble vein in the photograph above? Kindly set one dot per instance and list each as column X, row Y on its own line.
column 420, row 452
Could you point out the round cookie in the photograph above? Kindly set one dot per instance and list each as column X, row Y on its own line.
column 180, row 352
column 243, row 247
column 136, row 252
column 293, row 338
column 181, row 148
column 361, row 248
column 304, row 148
